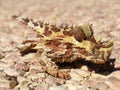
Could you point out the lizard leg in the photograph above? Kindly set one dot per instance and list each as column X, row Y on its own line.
column 51, row 68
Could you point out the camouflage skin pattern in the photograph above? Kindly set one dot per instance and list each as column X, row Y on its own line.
column 59, row 44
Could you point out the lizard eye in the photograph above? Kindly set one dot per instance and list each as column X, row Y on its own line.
column 78, row 34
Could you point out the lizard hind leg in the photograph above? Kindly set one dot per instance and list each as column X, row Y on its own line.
column 51, row 68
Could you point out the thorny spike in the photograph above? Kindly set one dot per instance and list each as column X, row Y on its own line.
column 65, row 26
column 41, row 23
column 71, row 26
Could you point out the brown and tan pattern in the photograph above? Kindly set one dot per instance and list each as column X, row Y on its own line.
column 59, row 44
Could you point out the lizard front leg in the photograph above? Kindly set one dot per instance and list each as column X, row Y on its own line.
column 51, row 68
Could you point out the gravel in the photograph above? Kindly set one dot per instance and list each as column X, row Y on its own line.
column 25, row 73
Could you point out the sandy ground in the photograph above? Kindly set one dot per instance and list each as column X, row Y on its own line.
column 103, row 14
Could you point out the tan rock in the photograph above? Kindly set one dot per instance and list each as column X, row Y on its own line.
column 33, row 84
column 2, row 74
column 29, row 56
column 117, row 63
column 100, row 86
column 11, row 71
column 11, row 58
column 75, row 76
column 22, row 66
column 33, row 71
column 81, row 73
column 25, row 88
column 96, row 75
column 21, row 79
column 88, row 83
column 73, row 82
column 84, row 67
column 3, row 65
column 76, row 87
column 37, row 76
column 115, row 74
column 39, row 88
column 113, row 83
column 52, row 80
column 4, row 83
column 58, row 88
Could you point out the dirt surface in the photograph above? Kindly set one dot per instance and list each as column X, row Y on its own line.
column 103, row 14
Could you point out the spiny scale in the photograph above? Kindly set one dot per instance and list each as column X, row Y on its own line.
column 45, row 29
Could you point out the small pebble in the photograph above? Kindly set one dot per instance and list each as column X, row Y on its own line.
column 113, row 83
column 11, row 71
column 22, row 66
column 100, row 86
column 52, row 80
column 58, row 88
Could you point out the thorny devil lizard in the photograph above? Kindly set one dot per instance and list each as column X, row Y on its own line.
column 64, row 44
